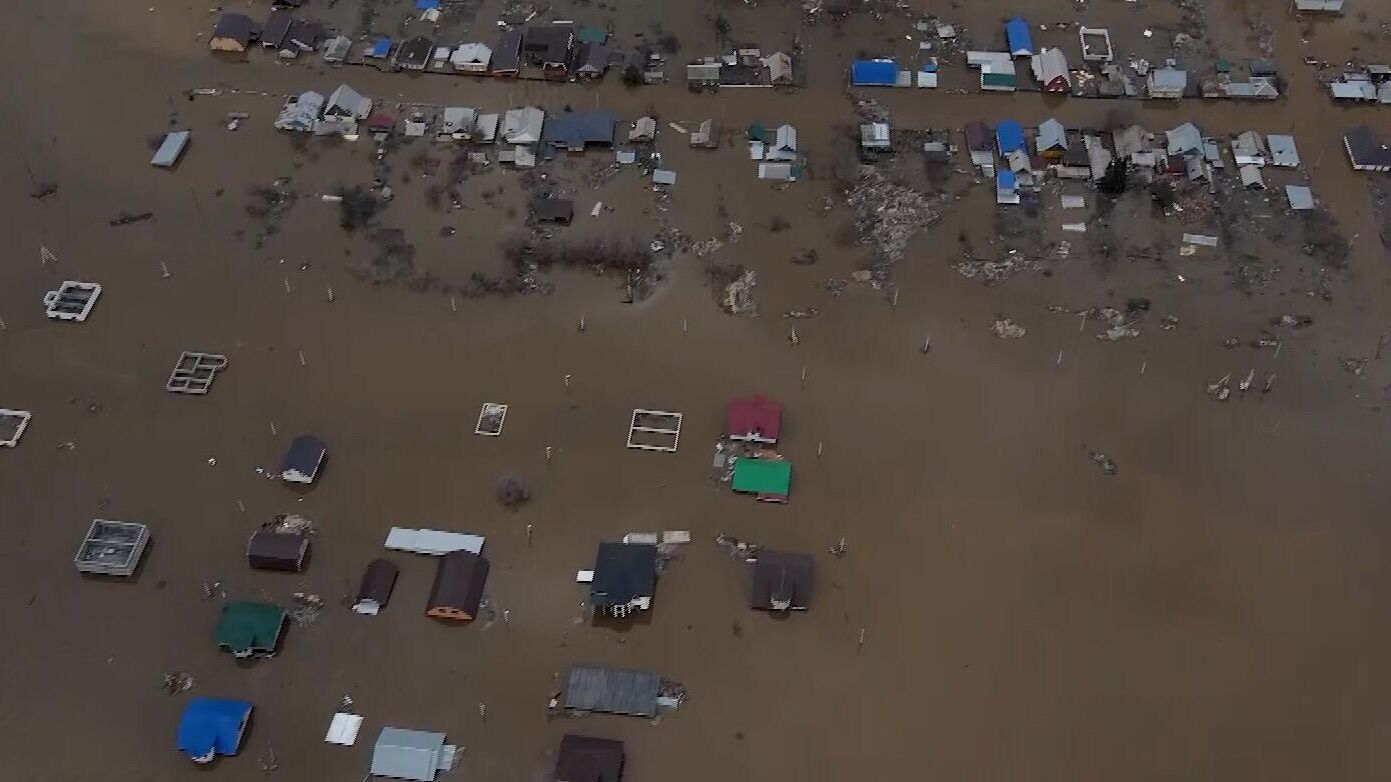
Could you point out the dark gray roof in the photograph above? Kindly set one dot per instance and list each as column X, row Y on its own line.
column 613, row 691
column 238, row 27
column 575, row 129
column 277, row 28
column 559, row 210
column 622, row 572
column 1366, row 148
column 304, row 455
column 780, row 576
column 416, row 51
column 588, row 759
column 549, row 43
column 507, row 52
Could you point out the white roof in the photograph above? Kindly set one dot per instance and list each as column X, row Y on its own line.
column 1051, row 135
column 1049, row 64
column 1169, row 78
column 471, row 53
column 1300, row 198
column 785, row 139
column 350, row 102
column 432, row 542
column 1353, row 90
column 342, row 730
column 301, row 113
column 1184, row 138
column 1251, row 176
column 523, row 126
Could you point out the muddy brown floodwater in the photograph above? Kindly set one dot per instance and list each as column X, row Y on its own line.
column 1215, row 610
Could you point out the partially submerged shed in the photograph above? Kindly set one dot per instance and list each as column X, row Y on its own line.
column 769, row 479
column 171, row 148
column 553, row 210
column 612, row 691
column 782, row 581
column 283, row 551
column 303, row 459
column 378, row 580
column 458, row 587
column 588, row 759
column 250, row 628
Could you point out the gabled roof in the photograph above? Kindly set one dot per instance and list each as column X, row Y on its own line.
column 1021, row 41
column 754, row 417
column 1184, row 139
column 1050, row 64
column 1131, row 140
column 523, row 126
column 300, row 113
column 575, row 129
column 471, row 54
column 277, row 28
column 459, row 582
column 785, row 139
column 348, row 102
column 877, row 73
column 212, row 726
column 623, row 572
column 1009, row 136
column 238, row 27
column 612, row 690
column 416, row 755
column 779, row 67
column 507, row 52
column 782, row 580
column 1051, row 135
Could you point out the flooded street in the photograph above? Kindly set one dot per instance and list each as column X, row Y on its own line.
column 1005, row 610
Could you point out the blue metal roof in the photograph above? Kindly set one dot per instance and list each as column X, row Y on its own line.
column 425, row 5
column 1009, row 136
column 212, row 726
column 1005, row 180
column 882, row 73
column 382, row 47
column 1020, row 40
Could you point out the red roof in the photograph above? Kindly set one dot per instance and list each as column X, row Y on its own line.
column 381, row 121
column 754, row 415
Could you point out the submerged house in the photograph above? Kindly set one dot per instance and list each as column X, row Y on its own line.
column 458, row 588
column 233, row 33
column 1168, row 83
column 1184, row 140
column 523, row 126
column 612, row 691
column 1366, row 150
column 1249, row 149
column 874, row 73
column 784, row 145
column 754, row 419
column 572, row 131
column 212, row 726
column 591, row 61
column 1018, row 37
column 275, row 33
column 471, row 58
column 1051, row 141
column 625, row 578
column 378, row 581
column 782, row 581
column 548, row 46
column 250, row 628
column 507, row 53
column 769, row 480
column 779, row 66
column 301, row 112
column 283, row 551
column 588, row 759
column 981, row 146
column 415, row 53
column 303, row 459
column 1009, row 137
column 1050, row 71
column 416, row 755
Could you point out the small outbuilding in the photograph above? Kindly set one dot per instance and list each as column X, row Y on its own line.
column 1050, row 70
column 112, row 548
column 212, row 726
column 644, row 130
column 1167, row 83
column 417, row 755
column 625, row 578
column 458, row 588
column 874, row 137
column 1301, row 198
column 378, row 580
column 770, row 480
column 250, row 628
column 303, row 459
column 1009, row 137
column 1051, row 141
column 754, row 419
column 1019, row 38
column 283, row 551
column 782, row 581
column 874, row 73
column 588, row 759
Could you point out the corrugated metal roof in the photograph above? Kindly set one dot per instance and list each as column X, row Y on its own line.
column 1021, row 41
column 1300, row 198
column 613, row 691
column 1283, row 152
column 880, row 73
column 408, row 754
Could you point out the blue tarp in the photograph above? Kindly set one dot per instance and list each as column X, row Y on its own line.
column 1020, row 40
column 382, row 47
column 1005, row 180
column 212, row 726
column 881, row 73
column 1009, row 136
column 425, row 5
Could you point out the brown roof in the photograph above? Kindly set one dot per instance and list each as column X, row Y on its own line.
column 459, row 582
column 589, row 759
column 377, row 581
column 978, row 137
column 270, row 550
column 779, row 576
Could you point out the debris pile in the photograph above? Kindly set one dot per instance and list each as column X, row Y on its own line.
column 737, row 297
column 1106, row 463
column 888, row 215
column 1004, row 328
column 178, row 681
column 1014, row 262
column 735, row 548
column 305, row 608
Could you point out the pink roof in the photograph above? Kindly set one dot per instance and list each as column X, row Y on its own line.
column 754, row 415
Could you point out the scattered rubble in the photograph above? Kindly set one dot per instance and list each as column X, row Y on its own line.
column 1106, row 463
column 1004, row 328
column 735, row 548
column 1355, row 366
column 1220, row 391
column 305, row 608
column 176, row 682
column 888, row 215
column 737, row 296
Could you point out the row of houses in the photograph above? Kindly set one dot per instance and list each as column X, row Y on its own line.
column 1088, row 155
column 744, row 67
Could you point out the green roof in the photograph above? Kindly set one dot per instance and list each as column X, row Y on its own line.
column 250, row 628
column 591, row 35
column 763, row 476
column 757, row 132
column 997, row 80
